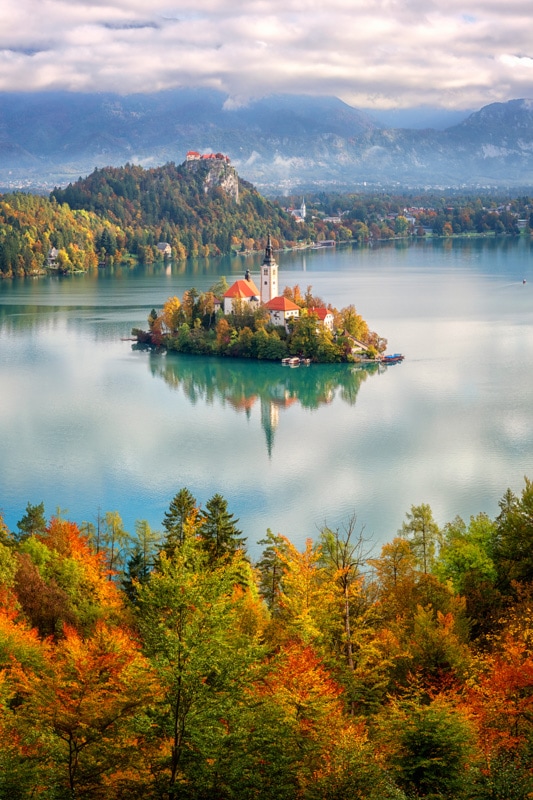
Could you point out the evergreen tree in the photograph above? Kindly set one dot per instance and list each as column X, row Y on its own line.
column 178, row 521
column 137, row 572
column 220, row 534
column 142, row 558
column 514, row 538
column 270, row 567
column 32, row 522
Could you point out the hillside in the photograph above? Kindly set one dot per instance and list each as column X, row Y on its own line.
column 199, row 208
column 280, row 143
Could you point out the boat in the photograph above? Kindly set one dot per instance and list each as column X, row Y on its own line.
column 305, row 361
column 393, row 358
column 291, row 361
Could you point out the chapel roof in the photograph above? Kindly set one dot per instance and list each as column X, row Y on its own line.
column 242, row 288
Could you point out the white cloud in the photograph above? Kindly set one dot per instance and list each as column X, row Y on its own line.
column 370, row 53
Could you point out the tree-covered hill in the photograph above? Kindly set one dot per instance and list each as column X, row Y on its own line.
column 197, row 207
column 30, row 226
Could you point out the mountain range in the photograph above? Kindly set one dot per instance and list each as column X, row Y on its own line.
column 280, row 143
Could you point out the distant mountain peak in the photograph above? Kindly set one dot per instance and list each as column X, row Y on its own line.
column 279, row 142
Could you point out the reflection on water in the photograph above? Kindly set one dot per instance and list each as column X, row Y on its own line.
column 243, row 384
column 87, row 422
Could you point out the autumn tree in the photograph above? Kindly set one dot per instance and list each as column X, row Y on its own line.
column 115, row 539
column 342, row 558
column 172, row 314
column 78, row 713
column 353, row 323
column 61, row 578
column 301, row 591
column 189, row 621
column 422, row 533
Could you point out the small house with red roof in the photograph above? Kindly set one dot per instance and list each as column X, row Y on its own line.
column 281, row 310
column 325, row 317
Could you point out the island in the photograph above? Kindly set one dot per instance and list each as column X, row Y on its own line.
column 245, row 320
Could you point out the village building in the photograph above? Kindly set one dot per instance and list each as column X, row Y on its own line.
column 51, row 259
column 325, row 317
column 281, row 310
column 299, row 214
column 164, row 249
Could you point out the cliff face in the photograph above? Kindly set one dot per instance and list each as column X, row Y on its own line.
column 216, row 172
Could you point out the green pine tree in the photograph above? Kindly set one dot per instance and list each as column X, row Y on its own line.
column 33, row 521
column 220, row 535
column 177, row 520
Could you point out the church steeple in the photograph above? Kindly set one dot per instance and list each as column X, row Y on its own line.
column 269, row 274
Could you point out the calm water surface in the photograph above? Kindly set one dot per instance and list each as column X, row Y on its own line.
column 88, row 422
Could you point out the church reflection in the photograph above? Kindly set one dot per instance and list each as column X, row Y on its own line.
column 271, row 387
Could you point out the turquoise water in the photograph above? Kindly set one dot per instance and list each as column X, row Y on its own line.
column 89, row 422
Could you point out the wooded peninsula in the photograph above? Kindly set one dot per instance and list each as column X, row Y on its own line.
column 173, row 665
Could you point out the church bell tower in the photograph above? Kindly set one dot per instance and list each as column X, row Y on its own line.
column 269, row 275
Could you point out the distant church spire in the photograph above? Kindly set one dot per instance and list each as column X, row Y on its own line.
column 269, row 274
column 269, row 258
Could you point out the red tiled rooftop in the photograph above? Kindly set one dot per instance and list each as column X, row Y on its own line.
column 281, row 304
column 321, row 313
column 242, row 288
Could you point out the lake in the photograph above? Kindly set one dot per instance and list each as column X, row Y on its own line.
column 90, row 422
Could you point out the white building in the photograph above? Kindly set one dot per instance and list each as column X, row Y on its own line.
column 281, row 310
column 325, row 317
column 243, row 290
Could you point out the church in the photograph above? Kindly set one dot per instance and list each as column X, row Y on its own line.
column 280, row 308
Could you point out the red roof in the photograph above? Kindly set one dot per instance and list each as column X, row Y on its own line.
column 242, row 288
column 281, row 304
column 321, row 313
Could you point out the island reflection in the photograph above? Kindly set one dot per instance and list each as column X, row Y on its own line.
column 241, row 384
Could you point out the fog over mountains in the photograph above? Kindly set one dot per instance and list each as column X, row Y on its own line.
column 279, row 143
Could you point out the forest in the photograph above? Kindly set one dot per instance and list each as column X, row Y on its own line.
column 172, row 664
column 120, row 214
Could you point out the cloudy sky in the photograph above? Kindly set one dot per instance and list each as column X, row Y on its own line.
column 380, row 54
